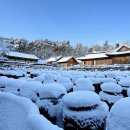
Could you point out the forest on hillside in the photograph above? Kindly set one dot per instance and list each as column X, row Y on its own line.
column 45, row 48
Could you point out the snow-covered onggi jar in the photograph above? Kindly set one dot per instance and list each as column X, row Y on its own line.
column 111, row 92
column 119, row 117
column 83, row 110
column 96, row 83
column 50, row 96
column 83, row 84
column 125, row 83
column 66, row 82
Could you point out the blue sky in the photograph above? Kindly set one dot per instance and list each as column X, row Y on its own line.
column 85, row 21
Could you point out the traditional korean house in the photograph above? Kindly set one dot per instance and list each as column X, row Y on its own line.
column 95, row 59
column 21, row 57
column 121, row 55
column 68, row 61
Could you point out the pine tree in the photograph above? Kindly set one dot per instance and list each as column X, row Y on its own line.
column 106, row 46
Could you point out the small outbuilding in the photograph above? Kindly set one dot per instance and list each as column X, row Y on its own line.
column 68, row 61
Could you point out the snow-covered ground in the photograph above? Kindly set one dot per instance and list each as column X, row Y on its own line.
column 62, row 94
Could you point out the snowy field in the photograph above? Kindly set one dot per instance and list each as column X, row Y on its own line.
column 41, row 99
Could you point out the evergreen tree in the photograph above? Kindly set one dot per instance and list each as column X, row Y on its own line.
column 106, row 46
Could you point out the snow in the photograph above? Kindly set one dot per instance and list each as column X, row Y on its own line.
column 81, row 99
column 75, row 77
column 94, row 56
column 19, row 113
column 41, row 61
column 14, row 85
column 46, row 78
column 40, row 78
column 2, row 59
column 90, row 74
column 92, row 118
column 83, row 84
column 49, row 106
column 39, row 122
column 125, row 83
column 119, row 118
column 110, row 75
column 110, row 98
column 65, row 59
column 11, row 73
column 118, row 78
column 14, row 111
column 100, row 75
column 50, row 96
column 58, row 76
column 51, row 85
column 51, row 90
column 59, row 114
column 128, row 92
column 111, row 87
column 30, row 89
column 4, row 82
column 27, row 78
column 22, row 55
column 119, row 53
column 88, row 118
column 95, row 80
column 66, row 74
column 66, row 82
column 104, row 80
column 79, row 61
column 53, row 59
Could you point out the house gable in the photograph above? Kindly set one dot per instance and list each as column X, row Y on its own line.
column 68, row 61
column 123, row 48
column 73, row 61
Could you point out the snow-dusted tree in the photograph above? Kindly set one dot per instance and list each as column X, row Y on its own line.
column 97, row 47
column 80, row 50
column 21, row 45
column 106, row 46
column 4, row 48
column 90, row 50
